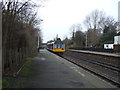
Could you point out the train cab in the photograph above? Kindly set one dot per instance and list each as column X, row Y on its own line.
column 56, row 46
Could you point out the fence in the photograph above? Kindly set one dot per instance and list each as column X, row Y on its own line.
column 13, row 59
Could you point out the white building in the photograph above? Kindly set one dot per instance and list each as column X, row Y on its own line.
column 119, row 14
column 117, row 40
column 108, row 46
column 119, row 11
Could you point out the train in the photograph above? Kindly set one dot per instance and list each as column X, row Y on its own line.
column 56, row 46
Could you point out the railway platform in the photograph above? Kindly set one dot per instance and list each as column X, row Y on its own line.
column 52, row 71
column 94, row 52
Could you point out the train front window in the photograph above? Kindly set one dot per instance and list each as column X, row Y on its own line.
column 55, row 46
column 58, row 46
column 62, row 46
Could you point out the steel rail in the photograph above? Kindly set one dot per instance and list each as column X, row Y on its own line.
column 110, row 66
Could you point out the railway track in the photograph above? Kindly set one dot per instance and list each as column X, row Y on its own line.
column 97, row 62
column 105, row 69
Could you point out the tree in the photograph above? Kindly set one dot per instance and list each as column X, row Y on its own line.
column 93, row 37
column 68, row 42
column 19, row 32
column 108, row 34
column 94, row 20
column 72, row 31
column 79, row 39
column 79, row 36
column 109, row 30
column 97, row 24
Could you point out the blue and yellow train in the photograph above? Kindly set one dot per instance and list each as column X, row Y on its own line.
column 56, row 46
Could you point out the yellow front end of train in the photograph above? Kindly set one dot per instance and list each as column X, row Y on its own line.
column 59, row 48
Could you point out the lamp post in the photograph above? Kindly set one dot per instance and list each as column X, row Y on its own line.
column 86, row 39
column 38, row 46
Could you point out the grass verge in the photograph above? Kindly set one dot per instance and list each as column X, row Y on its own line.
column 25, row 71
column 20, row 80
column 6, row 82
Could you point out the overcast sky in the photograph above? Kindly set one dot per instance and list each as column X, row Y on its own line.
column 59, row 15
